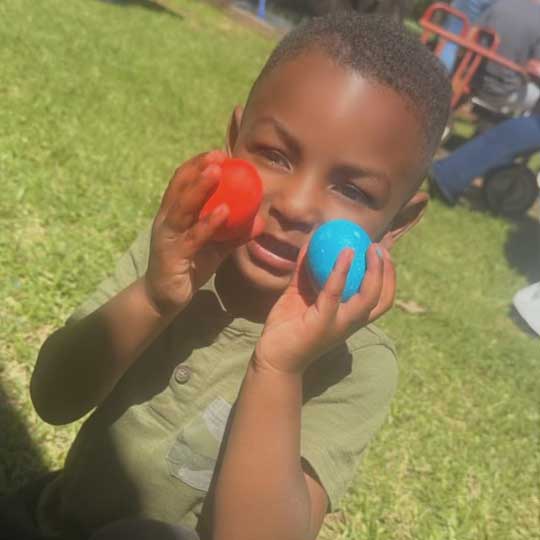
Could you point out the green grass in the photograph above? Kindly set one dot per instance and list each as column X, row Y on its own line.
column 99, row 103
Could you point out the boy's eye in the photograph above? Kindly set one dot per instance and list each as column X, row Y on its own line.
column 274, row 157
column 353, row 192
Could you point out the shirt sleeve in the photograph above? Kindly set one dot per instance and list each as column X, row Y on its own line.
column 130, row 267
column 339, row 422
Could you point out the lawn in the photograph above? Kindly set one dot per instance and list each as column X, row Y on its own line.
column 99, row 103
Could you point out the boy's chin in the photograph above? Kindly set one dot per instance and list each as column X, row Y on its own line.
column 256, row 274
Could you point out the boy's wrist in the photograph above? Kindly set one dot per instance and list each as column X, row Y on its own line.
column 261, row 374
column 261, row 363
column 166, row 311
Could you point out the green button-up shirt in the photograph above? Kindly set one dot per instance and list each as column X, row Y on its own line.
column 151, row 448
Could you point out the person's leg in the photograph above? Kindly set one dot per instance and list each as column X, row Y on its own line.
column 143, row 529
column 497, row 147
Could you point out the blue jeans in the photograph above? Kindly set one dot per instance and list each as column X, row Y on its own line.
column 472, row 9
column 497, row 147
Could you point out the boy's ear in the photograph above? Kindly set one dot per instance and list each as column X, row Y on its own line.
column 234, row 128
column 406, row 219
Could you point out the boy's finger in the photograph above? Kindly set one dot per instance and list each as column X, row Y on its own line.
column 203, row 231
column 388, row 291
column 186, row 175
column 200, row 166
column 179, row 181
column 299, row 271
column 363, row 302
column 200, row 190
column 329, row 298
column 185, row 210
column 216, row 157
column 195, row 169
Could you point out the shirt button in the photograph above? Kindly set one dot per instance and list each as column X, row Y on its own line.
column 182, row 374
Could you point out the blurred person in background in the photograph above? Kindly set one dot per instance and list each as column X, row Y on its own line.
column 473, row 9
column 497, row 147
column 517, row 23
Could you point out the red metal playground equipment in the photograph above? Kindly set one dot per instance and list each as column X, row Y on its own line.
column 511, row 189
column 472, row 42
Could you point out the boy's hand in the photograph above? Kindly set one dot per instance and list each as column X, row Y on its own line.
column 302, row 327
column 182, row 256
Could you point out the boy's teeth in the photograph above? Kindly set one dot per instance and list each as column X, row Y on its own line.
column 282, row 249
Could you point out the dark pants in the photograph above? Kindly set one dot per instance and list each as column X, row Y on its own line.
column 17, row 512
column 497, row 147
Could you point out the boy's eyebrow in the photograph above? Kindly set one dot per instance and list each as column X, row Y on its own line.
column 282, row 131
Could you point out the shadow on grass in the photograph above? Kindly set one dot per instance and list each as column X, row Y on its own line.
column 20, row 460
column 522, row 248
column 522, row 243
column 152, row 5
column 516, row 318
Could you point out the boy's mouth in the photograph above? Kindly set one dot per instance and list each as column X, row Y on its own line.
column 277, row 255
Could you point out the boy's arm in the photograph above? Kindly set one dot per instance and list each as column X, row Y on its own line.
column 80, row 364
column 262, row 491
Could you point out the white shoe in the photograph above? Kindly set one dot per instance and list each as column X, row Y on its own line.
column 527, row 303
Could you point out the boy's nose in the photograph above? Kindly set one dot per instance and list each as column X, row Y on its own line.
column 297, row 206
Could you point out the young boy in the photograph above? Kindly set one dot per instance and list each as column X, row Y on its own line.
column 226, row 397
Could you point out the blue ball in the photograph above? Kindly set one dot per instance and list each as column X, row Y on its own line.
column 325, row 246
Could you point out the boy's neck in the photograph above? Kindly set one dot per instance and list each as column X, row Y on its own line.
column 239, row 297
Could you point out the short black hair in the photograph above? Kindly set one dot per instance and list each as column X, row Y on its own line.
column 382, row 51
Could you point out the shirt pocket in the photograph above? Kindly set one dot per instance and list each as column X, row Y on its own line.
column 193, row 455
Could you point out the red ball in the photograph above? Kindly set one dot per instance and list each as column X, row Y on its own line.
column 240, row 187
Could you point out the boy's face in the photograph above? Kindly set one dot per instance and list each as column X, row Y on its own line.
column 328, row 144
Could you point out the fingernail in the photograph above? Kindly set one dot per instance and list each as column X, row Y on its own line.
column 221, row 209
column 212, row 170
column 348, row 256
column 379, row 252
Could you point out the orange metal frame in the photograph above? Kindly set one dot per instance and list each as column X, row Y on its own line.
column 470, row 39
